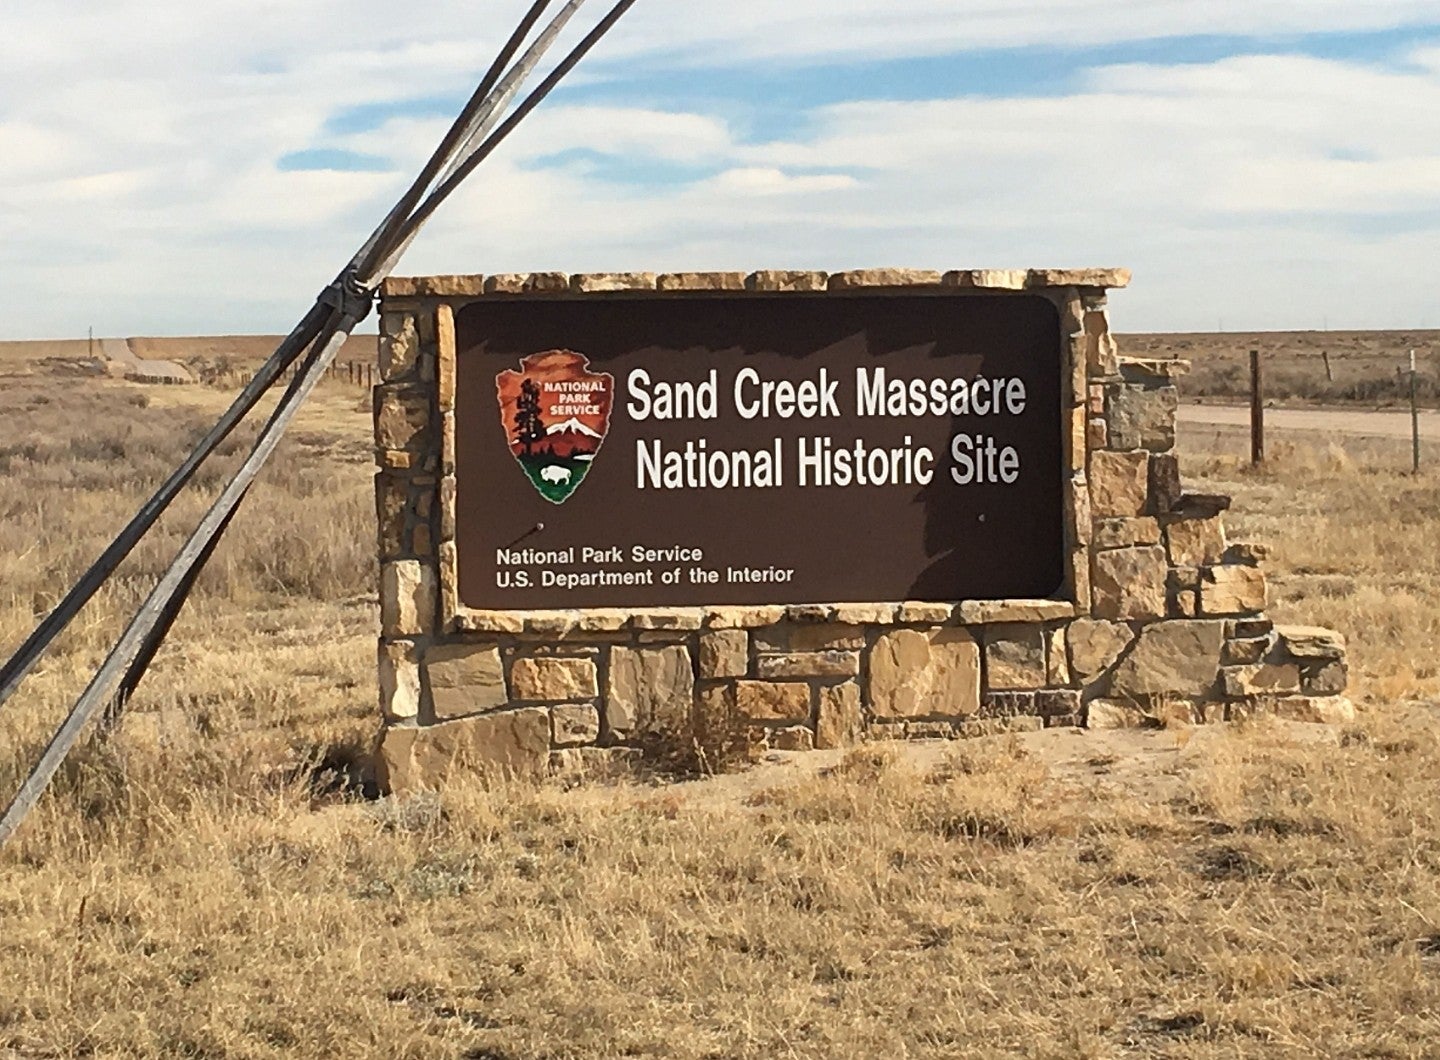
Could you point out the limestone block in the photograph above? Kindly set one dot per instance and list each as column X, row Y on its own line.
column 407, row 598
column 514, row 742
column 1142, row 418
column 445, row 358
column 1108, row 278
column 399, row 680
column 1057, row 703
column 724, row 653
column 700, row 281
column 1095, row 645
column 865, row 614
column 839, row 722
column 915, row 673
column 1078, row 446
column 992, row 279
column 399, row 346
column 809, row 664
column 1232, row 590
column 1322, row 678
column 1247, row 553
column 1119, row 483
column 1245, row 652
column 490, row 621
column 765, row 700
column 596, row 763
column 465, row 679
column 743, row 617
column 992, row 612
column 552, row 623
column 924, row 612
column 1008, row 705
column 1195, row 542
column 1261, row 679
column 859, row 278
column 795, row 738
column 601, row 620
column 822, row 636
column 1319, row 710
column 1311, row 642
column 1097, row 435
column 447, row 448
column 663, row 636
column 787, row 280
column 1080, row 522
column 402, row 417
column 1124, row 533
column 1201, row 505
column 1108, row 714
column 650, row 690
column 1165, row 487
column 1057, row 660
column 392, row 505
column 1015, row 657
column 1130, row 583
column 528, row 283
column 810, row 613
column 575, row 724
column 599, row 282
column 1078, row 386
column 668, row 618
column 1095, row 401
column 552, row 680
column 1179, row 658
column 1101, row 353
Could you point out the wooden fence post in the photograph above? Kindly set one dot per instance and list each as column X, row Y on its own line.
column 1414, row 421
column 1257, row 410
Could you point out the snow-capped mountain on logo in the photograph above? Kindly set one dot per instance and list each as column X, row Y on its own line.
column 573, row 426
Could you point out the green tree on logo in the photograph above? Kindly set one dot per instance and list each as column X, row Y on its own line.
column 529, row 426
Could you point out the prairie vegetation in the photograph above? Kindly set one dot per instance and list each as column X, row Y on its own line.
column 212, row 884
column 1364, row 368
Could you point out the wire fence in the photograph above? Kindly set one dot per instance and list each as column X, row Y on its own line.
column 357, row 374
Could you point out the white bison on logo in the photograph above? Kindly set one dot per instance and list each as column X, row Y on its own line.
column 555, row 474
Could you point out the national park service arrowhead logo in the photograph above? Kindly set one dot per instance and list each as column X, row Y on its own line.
column 555, row 413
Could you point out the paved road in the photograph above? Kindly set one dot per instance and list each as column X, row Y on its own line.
column 119, row 354
column 1329, row 421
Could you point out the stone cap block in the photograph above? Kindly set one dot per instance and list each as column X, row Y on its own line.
column 555, row 284
column 987, row 612
column 1201, row 505
column 1311, row 642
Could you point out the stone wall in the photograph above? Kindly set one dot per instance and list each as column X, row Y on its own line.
column 1163, row 618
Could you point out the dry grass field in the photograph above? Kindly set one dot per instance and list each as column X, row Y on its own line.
column 211, row 885
column 1363, row 366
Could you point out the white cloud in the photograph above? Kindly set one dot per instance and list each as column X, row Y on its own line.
column 139, row 142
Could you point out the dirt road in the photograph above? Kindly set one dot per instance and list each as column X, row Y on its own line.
column 1329, row 421
column 119, row 354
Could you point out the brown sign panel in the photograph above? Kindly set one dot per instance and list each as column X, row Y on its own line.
column 738, row 449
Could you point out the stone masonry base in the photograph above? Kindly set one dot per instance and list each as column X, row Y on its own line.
column 1163, row 621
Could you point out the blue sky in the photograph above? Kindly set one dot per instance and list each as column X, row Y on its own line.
column 1259, row 164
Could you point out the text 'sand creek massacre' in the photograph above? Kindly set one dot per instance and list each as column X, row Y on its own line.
column 694, row 450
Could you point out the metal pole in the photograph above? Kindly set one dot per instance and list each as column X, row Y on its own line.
column 1257, row 410
column 1414, row 421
